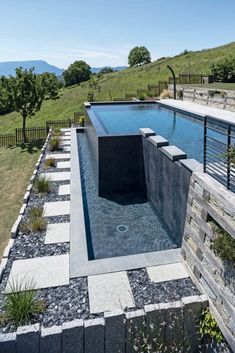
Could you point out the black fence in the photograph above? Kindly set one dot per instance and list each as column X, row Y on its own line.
column 219, row 151
column 39, row 133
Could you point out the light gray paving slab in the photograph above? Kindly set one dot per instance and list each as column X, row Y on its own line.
column 65, row 143
column 57, row 176
column 169, row 272
column 57, row 233
column 65, row 138
column 66, row 148
column 110, row 291
column 65, row 129
column 58, row 208
column 58, row 155
column 40, row 272
column 67, row 133
column 64, row 189
column 62, row 165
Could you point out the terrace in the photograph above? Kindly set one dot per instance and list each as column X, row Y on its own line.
column 128, row 227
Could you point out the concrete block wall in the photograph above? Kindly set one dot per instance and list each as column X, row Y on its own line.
column 162, row 325
column 210, row 203
column 224, row 100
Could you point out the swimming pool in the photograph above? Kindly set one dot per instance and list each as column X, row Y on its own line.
column 122, row 224
column 183, row 130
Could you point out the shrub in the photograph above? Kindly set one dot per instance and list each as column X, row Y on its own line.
column 56, row 132
column 35, row 221
column 35, row 212
column 37, row 224
column 209, row 328
column 90, row 96
column 81, row 121
column 42, row 185
column 223, row 245
column 166, row 94
column 150, row 94
column 50, row 162
column 141, row 97
column 21, row 304
column 55, row 144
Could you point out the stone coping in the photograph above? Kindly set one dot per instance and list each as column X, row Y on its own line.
column 200, row 110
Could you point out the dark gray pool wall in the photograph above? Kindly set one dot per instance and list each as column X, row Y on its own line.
column 167, row 177
column 118, row 161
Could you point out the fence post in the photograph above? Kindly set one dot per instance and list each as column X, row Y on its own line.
column 16, row 136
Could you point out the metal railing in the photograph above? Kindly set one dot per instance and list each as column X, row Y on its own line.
column 219, row 151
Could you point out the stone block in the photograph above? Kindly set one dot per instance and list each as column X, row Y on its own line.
column 29, row 188
column 174, row 334
column 22, row 210
column 192, row 311
column 87, row 104
column 192, row 165
column 146, row 132
column 51, row 338
column 94, row 336
column 155, row 325
column 27, row 339
column 174, row 153
column 8, row 342
column 8, row 248
column 158, row 141
column 2, row 267
column 135, row 330
column 26, row 197
column 115, row 340
column 14, row 229
column 73, row 337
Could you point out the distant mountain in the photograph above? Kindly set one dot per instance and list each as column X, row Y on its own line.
column 8, row 68
column 96, row 70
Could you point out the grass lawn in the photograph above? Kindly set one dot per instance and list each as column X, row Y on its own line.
column 16, row 167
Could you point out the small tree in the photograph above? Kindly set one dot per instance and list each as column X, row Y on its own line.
column 27, row 91
column 76, row 73
column 139, row 56
column 224, row 71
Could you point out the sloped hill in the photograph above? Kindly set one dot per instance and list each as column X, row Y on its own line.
column 119, row 83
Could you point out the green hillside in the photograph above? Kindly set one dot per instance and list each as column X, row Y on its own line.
column 119, row 83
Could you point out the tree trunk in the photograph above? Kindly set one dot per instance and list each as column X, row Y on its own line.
column 23, row 129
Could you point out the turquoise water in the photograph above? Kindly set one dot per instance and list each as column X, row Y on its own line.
column 184, row 131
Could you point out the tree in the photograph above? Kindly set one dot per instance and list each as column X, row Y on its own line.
column 5, row 97
column 106, row 70
column 76, row 73
column 27, row 91
column 224, row 71
column 139, row 56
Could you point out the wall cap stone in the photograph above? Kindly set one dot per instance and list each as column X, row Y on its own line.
column 94, row 322
column 146, row 132
column 71, row 324
column 173, row 152
column 158, row 141
column 53, row 330
column 192, row 164
column 134, row 314
column 22, row 330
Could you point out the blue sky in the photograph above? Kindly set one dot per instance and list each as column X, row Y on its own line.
column 102, row 32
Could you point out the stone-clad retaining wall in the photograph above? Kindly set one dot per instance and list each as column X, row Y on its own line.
column 223, row 100
column 167, row 176
column 173, row 324
column 209, row 202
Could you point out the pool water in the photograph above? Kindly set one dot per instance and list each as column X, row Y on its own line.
column 122, row 225
column 184, row 131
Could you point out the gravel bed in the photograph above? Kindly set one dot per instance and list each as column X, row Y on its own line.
column 147, row 292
